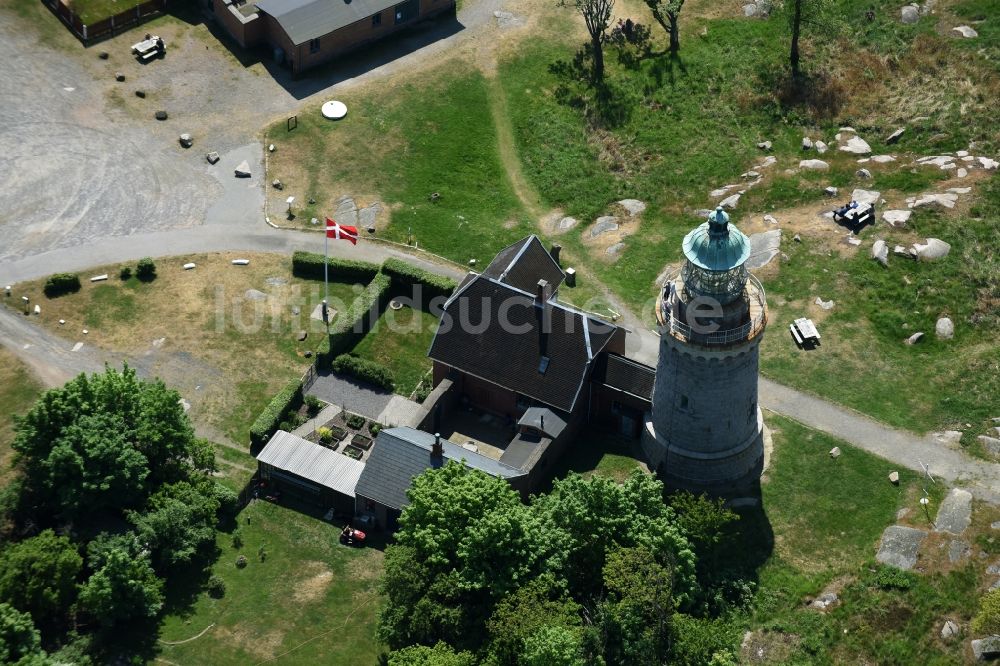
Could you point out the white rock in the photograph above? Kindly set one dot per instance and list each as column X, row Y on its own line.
column 813, row 164
column 807, row 143
column 968, row 158
column 883, row 159
column 750, row 175
column 894, row 137
column 188, row 266
column 897, row 218
column 730, row 201
column 966, row 31
column 769, row 219
column 825, row 305
column 988, row 164
column 962, row 153
column 915, row 338
column 880, row 252
column 270, row 148
column 932, row 250
column 830, row 191
column 937, row 160
column 38, row 309
column 835, row 452
column 764, row 145
column 820, row 147
column 961, row 173
column 99, row 278
column 62, row 322
column 894, row 478
column 750, row 10
column 770, row 160
column 946, row 200
column 865, row 196
column 240, row 262
column 856, row 145
column 721, row 192
column 944, row 329
column 949, row 630
column 948, row 167
column 243, row 170
column 909, row 14
column 959, row 190
column 633, row 206
column 948, row 437
column 864, row 174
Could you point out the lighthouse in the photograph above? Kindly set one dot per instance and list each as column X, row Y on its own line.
column 704, row 432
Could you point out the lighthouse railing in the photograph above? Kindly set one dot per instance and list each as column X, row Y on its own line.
column 666, row 313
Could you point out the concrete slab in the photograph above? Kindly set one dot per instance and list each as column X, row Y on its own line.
column 955, row 512
column 400, row 412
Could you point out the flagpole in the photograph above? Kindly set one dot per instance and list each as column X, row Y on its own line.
column 326, row 278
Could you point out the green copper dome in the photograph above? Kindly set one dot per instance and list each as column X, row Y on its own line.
column 716, row 246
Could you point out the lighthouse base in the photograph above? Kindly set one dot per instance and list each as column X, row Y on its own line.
column 733, row 472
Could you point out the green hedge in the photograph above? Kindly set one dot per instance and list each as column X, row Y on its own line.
column 365, row 370
column 349, row 328
column 309, row 266
column 404, row 276
column 286, row 400
column 62, row 283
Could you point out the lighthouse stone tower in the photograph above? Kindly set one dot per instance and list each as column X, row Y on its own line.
column 705, row 431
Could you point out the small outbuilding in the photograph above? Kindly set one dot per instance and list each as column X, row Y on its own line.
column 309, row 472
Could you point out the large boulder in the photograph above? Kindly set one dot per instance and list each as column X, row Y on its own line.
column 933, row 250
column 897, row 218
column 813, row 164
column 944, row 329
column 895, row 136
column 955, row 513
column 604, row 225
column 966, row 31
column 866, row 196
column 899, row 546
column 632, row 206
column 945, row 200
column 880, row 252
column 986, row 648
column 764, row 247
column 855, row 145
column 909, row 14
column 242, row 170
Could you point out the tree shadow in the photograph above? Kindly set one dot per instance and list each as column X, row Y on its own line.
column 817, row 93
column 664, row 67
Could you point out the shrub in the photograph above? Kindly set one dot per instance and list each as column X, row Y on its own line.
column 422, row 391
column 216, row 587
column 365, row 370
column 62, row 283
column 987, row 620
column 261, row 553
column 241, row 562
column 348, row 330
column 313, row 405
column 274, row 413
column 227, row 498
column 146, row 270
column 309, row 265
column 891, row 578
column 405, row 276
column 374, row 428
column 237, row 539
column 125, row 273
column 355, row 421
column 325, row 435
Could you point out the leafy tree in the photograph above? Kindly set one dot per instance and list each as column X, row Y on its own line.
column 803, row 12
column 597, row 17
column 553, row 646
column 588, row 518
column 441, row 654
column 540, row 603
column 638, row 609
column 123, row 586
column 465, row 540
column 38, row 575
column 179, row 521
column 19, row 640
column 666, row 13
column 103, row 441
column 704, row 521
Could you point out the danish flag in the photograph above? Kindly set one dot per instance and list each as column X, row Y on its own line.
column 341, row 232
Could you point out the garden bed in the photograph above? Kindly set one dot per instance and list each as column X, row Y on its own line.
column 361, row 441
column 352, row 451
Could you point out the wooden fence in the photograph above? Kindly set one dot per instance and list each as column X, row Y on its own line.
column 109, row 27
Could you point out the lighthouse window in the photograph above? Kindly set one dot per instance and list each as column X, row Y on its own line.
column 684, row 402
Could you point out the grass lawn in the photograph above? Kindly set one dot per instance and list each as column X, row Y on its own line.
column 400, row 144
column 400, row 340
column 92, row 11
column 18, row 391
column 598, row 452
column 819, row 529
column 311, row 601
column 200, row 330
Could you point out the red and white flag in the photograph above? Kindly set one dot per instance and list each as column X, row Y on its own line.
column 341, row 232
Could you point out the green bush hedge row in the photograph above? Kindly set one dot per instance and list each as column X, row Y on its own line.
column 61, row 283
column 349, row 328
column 286, row 400
column 366, row 371
column 309, row 266
column 404, row 276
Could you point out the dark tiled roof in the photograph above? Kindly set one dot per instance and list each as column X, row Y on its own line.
column 399, row 454
column 470, row 337
column 625, row 375
column 523, row 264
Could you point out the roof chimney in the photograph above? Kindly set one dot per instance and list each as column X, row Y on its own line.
column 437, row 450
column 542, row 292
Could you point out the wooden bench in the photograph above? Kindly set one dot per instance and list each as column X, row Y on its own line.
column 803, row 330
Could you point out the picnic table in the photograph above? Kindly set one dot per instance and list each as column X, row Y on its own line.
column 804, row 330
column 148, row 48
column 856, row 214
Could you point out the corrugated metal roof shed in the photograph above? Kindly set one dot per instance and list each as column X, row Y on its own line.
column 316, row 463
column 308, row 19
